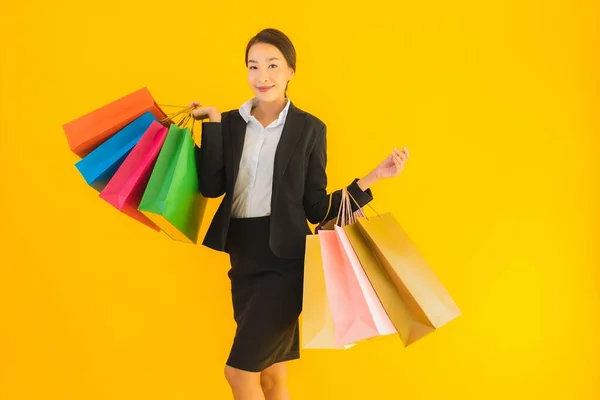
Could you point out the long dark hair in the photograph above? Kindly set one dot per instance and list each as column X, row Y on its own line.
column 278, row 39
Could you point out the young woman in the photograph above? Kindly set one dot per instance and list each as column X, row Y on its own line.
column 268, row 158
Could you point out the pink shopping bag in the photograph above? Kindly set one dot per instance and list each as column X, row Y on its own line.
column 352, row 318
column 382, row 322
column 126, row 188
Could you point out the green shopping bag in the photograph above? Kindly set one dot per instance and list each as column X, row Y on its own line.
column 172, row 198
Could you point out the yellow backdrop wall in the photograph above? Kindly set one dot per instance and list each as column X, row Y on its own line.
column 497, row 103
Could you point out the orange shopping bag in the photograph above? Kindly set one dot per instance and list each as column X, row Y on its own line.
column 89, row 131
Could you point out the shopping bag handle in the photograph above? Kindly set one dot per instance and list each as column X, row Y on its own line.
column 187, row 116
column 345, row 215
column 185, row 121
column 185, row 110
column 182, row 110
column 170, row 105
column 359, row 207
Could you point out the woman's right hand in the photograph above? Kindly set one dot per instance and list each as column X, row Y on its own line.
column 201, row 112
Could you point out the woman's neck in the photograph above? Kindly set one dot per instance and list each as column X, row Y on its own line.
column 270, row 109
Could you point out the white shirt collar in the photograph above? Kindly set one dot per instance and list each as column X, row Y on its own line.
column 246, row 108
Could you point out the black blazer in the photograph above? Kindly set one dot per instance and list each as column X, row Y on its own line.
column 299, row 179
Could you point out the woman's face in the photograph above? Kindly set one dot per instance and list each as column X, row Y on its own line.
column 268, row 72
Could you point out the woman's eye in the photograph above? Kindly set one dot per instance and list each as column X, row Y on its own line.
column 254, row 66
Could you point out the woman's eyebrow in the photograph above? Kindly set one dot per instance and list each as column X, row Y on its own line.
column 270, row 59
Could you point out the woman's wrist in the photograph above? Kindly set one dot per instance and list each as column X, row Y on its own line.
column 214, row 116
column 368, row 180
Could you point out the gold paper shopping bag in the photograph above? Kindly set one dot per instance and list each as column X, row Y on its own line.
column 388, row 294
column 420, row 303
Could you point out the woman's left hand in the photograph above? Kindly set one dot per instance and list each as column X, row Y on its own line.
column 393, row 164
column 389, row 168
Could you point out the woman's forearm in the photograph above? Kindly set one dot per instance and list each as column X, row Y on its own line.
column 368, row 180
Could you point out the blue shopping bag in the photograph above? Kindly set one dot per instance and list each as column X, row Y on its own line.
column 103, row 162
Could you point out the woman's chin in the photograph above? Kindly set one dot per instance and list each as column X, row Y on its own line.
column 271, row 95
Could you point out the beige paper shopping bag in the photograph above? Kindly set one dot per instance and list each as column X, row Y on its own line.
column 317, row 322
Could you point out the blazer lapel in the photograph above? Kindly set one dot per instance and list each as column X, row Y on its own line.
column 292, row 131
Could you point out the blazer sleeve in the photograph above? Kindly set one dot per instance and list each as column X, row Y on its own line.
column 210, row 160
column 316, row 198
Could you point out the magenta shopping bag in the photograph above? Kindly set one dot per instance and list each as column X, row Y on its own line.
column 125, row 189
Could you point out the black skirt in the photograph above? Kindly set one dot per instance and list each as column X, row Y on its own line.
column 266, row 292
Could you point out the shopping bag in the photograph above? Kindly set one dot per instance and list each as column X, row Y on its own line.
column 125, row 189
column 172, row 199
column 98, row 167
column 383, row 324
column 389, row 296
column 352, row 318
column 422, row 304
column 317, row 322
column 370, row 318
column 89, row 131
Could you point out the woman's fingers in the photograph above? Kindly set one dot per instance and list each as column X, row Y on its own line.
column 403, row 154
column 201, row 112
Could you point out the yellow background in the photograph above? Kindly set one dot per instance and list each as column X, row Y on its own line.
column 497, row 103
